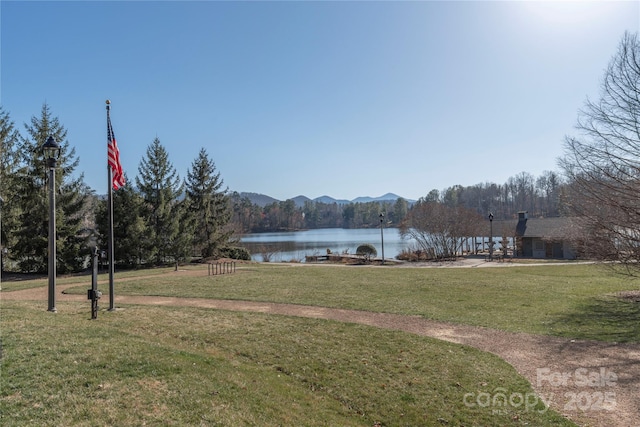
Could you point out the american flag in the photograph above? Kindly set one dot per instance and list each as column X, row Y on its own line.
column 114, row 158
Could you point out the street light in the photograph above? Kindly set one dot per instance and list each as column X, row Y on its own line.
column 382, row 234
column 51, row 151
column 490, row 235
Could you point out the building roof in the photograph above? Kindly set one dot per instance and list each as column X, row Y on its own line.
column 544, row 228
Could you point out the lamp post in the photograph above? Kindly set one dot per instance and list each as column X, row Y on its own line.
column 490, row 235
column 382, row 234
column 51, row 151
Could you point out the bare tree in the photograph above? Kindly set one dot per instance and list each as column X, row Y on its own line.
column 439, row 230
column 603, row 163
column 548, row 186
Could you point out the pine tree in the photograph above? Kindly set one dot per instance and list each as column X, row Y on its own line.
column 208, row 205
column 129, row 228
column 182, row 243
column 71, row 196
column 160, row 187
column 9, row 163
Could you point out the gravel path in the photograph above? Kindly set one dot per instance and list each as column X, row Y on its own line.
column 592, row 383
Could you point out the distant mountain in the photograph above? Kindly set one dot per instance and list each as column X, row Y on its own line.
column 263, row 200
column 329, row 200
column 389, row 197
column 301, row 200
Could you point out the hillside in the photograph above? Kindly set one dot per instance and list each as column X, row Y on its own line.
column 263, row 200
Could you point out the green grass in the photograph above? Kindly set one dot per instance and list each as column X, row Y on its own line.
column 17, row 282
column 187, row 366
column 573, row 301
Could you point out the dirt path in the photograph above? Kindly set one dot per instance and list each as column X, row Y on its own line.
column 592, row 383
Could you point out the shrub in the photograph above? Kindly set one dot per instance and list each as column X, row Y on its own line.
column 366, row 251
column 415, row 255
column 235, row 252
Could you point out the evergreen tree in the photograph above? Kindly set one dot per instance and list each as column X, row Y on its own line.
column 129, row 228
column 244, row 213
column 208, row 205
column 9, row 163
column 160, row 187
column 400, row 209
column 31, row 188
column 72, row 231
column 182, row 244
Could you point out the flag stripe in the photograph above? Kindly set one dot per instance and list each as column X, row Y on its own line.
column 114, row 157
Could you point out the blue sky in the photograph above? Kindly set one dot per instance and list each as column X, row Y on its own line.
column 340, row 98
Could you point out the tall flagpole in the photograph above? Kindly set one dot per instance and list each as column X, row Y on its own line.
column 110, row 210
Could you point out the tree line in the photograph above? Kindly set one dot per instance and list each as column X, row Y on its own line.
column 540, row 196
column 250, row 217
column 158, row 220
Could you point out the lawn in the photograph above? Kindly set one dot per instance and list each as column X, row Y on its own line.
column 187, row 366
column 573, row 301
column 147, row 365
column 17, row 281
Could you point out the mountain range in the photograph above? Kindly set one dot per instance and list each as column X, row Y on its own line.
column 263, row 200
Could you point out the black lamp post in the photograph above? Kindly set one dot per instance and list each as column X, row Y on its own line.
column 490, row 235
column 51, row 151
column 382, row 234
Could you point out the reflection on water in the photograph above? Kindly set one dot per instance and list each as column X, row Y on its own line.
column 295, row 245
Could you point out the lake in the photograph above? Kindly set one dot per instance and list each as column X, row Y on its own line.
column 295, row 245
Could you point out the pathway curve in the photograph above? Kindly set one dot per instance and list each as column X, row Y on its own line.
column 593, row 383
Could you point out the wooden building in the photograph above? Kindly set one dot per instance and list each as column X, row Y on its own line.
column 539, row 237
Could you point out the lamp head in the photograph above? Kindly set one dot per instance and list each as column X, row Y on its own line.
column 51, row 151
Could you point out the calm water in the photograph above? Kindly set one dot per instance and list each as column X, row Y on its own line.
column 295, row 245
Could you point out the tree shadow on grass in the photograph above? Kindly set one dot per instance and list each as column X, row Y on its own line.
column 606, row 318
